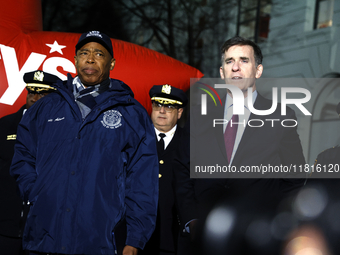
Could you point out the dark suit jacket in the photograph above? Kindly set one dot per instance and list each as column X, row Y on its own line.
column 11, row 205
column 327, row 159
column 264, row 145
column 165, row 234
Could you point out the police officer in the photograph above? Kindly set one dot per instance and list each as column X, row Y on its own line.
column 38, row 85
column 13, row 211
column 167, row 108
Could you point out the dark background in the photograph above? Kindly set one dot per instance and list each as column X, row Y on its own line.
column 177, row 28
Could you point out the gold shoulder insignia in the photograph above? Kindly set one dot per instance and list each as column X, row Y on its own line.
column 12, row 137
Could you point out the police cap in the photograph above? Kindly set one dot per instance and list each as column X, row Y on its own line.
column 40, row 82
column 166, row 94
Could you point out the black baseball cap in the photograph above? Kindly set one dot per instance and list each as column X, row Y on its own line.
column 95, row 36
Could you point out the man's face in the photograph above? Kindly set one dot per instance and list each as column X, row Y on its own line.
column 31, row 98
column 163, row 119
column 93, row 63
column 239, row 68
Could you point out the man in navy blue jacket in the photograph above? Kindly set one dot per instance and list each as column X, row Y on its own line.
column 86, row 159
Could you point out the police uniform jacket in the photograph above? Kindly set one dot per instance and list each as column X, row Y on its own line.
column 165, row 234
column 11, row 205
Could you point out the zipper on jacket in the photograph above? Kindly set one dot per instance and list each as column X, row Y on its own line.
column 114, row 242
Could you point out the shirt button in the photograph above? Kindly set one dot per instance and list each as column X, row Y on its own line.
column 63, row 248
column 161, row 162
column 68, row 210
column 72, row 173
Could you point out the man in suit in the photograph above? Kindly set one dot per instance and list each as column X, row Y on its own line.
column 240, row 145
column 167, row 109
column 13, row 210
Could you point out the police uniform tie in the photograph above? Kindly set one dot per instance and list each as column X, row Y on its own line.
column 161, row 142
column 230, row 136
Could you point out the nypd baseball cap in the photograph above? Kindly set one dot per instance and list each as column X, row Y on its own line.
column 95, row 36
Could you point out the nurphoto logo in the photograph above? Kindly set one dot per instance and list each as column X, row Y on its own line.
column 238, row 100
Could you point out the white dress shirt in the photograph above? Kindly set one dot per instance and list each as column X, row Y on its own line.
column 168, row 136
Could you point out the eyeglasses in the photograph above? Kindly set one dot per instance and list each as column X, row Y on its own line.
column 167, row 107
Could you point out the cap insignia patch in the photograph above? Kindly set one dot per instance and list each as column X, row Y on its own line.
column 38, row 76
column 166, row 89
column 94, row 33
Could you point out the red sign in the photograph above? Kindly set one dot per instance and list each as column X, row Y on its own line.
column 24, row 47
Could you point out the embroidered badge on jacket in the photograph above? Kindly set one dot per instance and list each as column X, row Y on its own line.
column 112, row 119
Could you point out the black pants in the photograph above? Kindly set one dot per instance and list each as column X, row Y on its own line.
column 11, row 246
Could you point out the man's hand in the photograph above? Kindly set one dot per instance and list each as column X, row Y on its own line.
column 129, row 250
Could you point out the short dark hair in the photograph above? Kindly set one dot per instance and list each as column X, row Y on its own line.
column 238, row 40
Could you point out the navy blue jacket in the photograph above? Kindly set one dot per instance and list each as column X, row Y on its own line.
column 83, row 177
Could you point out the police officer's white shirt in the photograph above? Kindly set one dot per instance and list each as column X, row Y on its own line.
column 168, row 135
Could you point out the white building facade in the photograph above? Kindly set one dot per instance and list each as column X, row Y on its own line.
column 303, row 50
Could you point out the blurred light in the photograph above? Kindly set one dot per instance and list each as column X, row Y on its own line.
column 258, row 233
column 282, row 224
column 306, row 245
column 309, row 251
column 218, row 228
column 219, row 223
column 310, row 203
